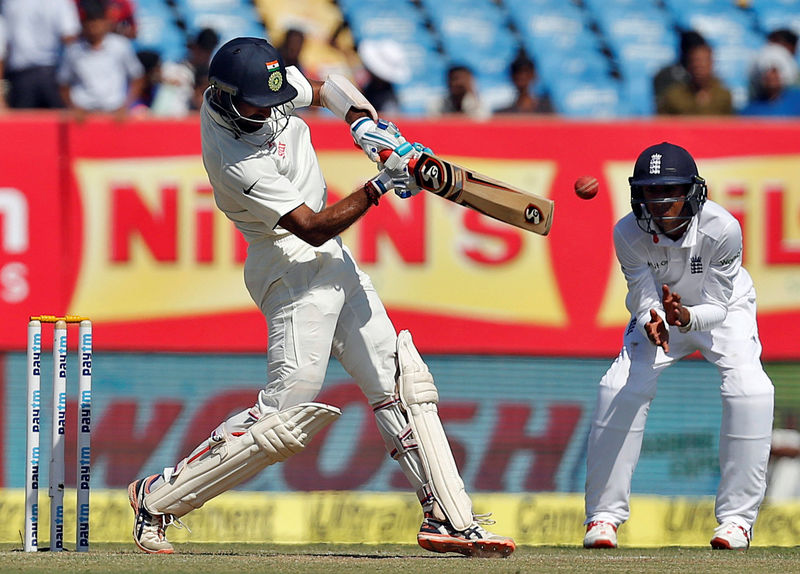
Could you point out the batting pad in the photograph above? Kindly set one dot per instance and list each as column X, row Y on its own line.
column 419, row 397
column 235, row 459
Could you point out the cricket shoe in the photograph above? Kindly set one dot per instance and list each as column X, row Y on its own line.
column 600, row 534
column 440, row 536
column 730, row 536
column 149, row 530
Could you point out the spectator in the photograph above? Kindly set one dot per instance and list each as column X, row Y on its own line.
column 462, row 96
column 676, row 73
column 523, row 76
column 200, row 83
column 183, row 83
column 36, row 31
column 100, row 72
column 702, row 93
column 291, row 47
column 775, row 75
column 3, row 85
column 151, row 81
column 385, row 65
column 784, row 37
column 123, row 18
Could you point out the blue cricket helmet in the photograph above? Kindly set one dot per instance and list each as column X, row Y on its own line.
column 251, row 70
column 665, row 164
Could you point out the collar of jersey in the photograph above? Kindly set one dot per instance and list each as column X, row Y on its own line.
column 685, row 241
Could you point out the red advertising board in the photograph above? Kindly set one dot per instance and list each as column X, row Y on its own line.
column 116, row 221
column 32, row 221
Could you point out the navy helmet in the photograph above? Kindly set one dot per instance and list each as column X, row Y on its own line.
column 666, row 164
column 251, row 70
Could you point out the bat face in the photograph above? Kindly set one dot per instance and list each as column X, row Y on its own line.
column 491, row 197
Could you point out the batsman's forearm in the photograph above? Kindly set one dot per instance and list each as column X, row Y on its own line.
column 317, row 228
column 341, row 215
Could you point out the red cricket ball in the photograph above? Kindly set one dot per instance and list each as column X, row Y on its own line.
column 586, row 187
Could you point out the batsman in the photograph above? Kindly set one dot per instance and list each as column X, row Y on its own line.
column 317, row 303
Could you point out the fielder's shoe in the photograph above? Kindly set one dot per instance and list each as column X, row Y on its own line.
column 730, row 536
column 439, row 536
column 600, row 534
column 148, row 529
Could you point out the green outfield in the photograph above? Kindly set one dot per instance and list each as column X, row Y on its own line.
column 345, row 559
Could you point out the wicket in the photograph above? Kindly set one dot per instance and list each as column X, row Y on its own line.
column 59, row 410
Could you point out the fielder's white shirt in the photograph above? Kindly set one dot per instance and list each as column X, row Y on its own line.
column 704, row 267
column 255, row 185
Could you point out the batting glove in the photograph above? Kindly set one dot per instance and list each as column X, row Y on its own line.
column 401, row 181
column 373, row 136
column 405, row 183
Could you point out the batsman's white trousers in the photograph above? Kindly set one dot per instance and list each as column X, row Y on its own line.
column 323, row 305
column 629, row 386
column 320, row 307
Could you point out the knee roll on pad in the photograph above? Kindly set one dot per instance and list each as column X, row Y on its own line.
column 419, row 396
column 230, row 460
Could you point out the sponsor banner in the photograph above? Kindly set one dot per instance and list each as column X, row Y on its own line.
column 32, row 223
column 117, row 222
column 388, row 518
column 515, row 424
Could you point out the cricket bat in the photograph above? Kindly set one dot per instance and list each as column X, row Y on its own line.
column 491, row 197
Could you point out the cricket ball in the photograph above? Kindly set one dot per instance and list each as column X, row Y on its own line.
column 586, row 187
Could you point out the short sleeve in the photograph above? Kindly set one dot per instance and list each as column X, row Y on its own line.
column 302, row 85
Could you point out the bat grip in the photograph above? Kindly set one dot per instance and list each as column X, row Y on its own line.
column 385, row 153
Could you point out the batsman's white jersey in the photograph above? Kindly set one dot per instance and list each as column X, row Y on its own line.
column 704, row 268
column 315, row 299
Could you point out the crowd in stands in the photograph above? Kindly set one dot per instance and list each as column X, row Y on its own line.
column 80, row 55
column 83, row 55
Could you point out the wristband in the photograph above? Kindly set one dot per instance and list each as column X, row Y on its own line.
column 373, row 194
column 688, row 326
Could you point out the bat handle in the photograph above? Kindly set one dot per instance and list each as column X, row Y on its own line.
column 385, row 153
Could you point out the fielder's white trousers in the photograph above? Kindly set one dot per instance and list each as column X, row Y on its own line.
column 629, row 386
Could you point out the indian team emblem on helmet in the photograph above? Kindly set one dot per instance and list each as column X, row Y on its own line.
column 275, row 80
column 655, row 163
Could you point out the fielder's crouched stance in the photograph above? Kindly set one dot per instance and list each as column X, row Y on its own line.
column 687, row 291
column 316, row 301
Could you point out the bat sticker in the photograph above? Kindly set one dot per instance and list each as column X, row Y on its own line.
column 533, row 214
column 431, row 175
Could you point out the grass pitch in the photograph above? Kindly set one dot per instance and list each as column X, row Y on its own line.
column 390, row 559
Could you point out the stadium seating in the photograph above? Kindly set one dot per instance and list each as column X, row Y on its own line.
column 606, row 49
column 230, row 18
column 475, row 34
column 589, row 99
column 774, row 14
column 158, row 30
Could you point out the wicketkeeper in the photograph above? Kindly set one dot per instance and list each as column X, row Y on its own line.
column 316, row 301
column 687, row 291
